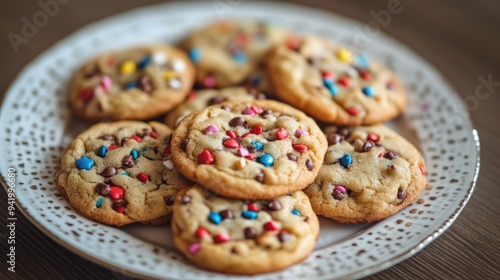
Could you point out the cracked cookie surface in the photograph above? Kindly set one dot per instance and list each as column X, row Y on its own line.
column 133, row 84
column 334, row 85
column 250, row 150
column 369, row 173
column 120, row 173
column 243, row 237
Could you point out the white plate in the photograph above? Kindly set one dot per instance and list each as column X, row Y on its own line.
column 36, row 124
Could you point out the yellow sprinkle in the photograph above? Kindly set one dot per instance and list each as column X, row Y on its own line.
column 344, row 55
column 169, row 75
column 127, row 67
column 241, row 163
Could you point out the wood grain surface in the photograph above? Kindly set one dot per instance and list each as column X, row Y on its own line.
column 460, row 38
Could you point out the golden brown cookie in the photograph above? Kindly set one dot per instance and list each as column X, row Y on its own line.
column 243, row 237
column 369, row 173
column 120, row 173
column 133, row 84
column 250, row 150
column 334, row 85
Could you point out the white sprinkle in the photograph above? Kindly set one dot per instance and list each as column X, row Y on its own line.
column 169, row 164
column 352, row 72
column 178, row 65
column 159, row 58
column 99, row 91
column 175, row 83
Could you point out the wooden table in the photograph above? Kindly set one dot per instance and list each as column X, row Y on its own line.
column 460, row 38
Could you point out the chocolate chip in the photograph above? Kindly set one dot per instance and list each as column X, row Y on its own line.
column 224, row 107
column 107, row 137
column 266, row 112
column 185, row 199
column 118, row 203
column 283, row 236
column 102, row 189
column 291, row 157
column 226, row 214
column 368, row 146
column 343, row 131
column 145, row 132
column 184, row 143
column 145, row 84
column 251, row 149
column 394, row 167
column 334, row 138
column 338, row 195
column 401, row 195
column 168, row 139
column 306, row 219
column 216, row 100
column 238, row 121
column 274, row 205
column 391, row 155
column 128, row 161
column 250, row 233
column 260, row 177
column 109, row 171
column 108, row 181
column 169, row 201
column 309, row 164
column 124, row 140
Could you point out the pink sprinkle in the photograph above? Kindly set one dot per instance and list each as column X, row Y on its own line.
column 340, row 189
column 256, row 109
column 211, row 129
column 248, row 111
column 299, row 132
column 106, row 83
column 243, row 152
column 194, row 248
column 209, row 82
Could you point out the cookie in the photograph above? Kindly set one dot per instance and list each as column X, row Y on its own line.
column 249, row 149
column 230, row 53
column 120, row 173
column 133, row 84
column 369, row 173
column 204, row 98
column 243, row 237
column 334, row 85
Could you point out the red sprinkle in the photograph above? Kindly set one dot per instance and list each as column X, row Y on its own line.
column 120, row 209
column 167, row 151
column 365, row 75
column 250, row 157
column 252, row 207
column 293, row 43
column 257, row 130
column 241, row 39
column 112, row 147
column 143, row 177
column 221, row 238
column 230, row 143
column 245, row 135
column 300, row 147
column 271, row 225
column 327, row 75
column 115, row 192
column 282, row 133
column 352, row 111
column 202, row 232
column 231, row 134
column 205, row 157
column 422, row 169
column 153, row 134
column 86, row 94
column 382, row 154
column 256, row 109
column 111, row 61
column 191, row 95
column 136, row 138
column 372, row 137
column 344, row 81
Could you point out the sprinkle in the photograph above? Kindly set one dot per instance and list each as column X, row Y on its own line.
column 346, row 160
column 222, row 238
column 271, row 226
column 250, row 157
column 98, row 203
column 340, row 189
column 211, row 129
column 282, row 133
column 372, row 137
column 127, row 67
column 242, row 163
column 293, row 43
column 159, row 58
column 144, row 62
column 209, row 81
column 258, row 145
column 352, row 72
column 231, row 144
column 255, row 80
column 251, row 215
column 344, row 81
column 215, row 218
column 368, row 91
column 131, row 85
column 248, row 111
column 252, row 207
column 125, row 173
column 422, row 169
column 257, row 130
column 119, row 209
column 327, row 75
column 106, row 83
column 201, row 232
column 195, row 55
column 266, row 159
column 143, row 177
column 112, row 147
column 175, row 83
column 300, row 132
column 169, row 164
column 102, row 151
column 134, row 154
column 365, row 75
column 344, row 55
column 178, row 65
column 167, row 75
column 116, row 193
column 243, row 152
column 331, row 87
column 231, row 134
column 86, row 94
column 256, row 109
column 362, row 61
column 84, row 163
column 245, row 135
column 153, row 134
column 136, row 138
column 300, row 147
column 296, row 212
column 205, row 157
column 353, row 111
column 240, row 57
column 194, row 248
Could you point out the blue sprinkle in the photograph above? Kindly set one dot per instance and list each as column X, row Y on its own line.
column 195, row 55
column 145, row 149
column 255, row 80
column 131, row 85
column 251, row 215
column 257, row 145
column 240, row 57
column 296, row 212
column 266, row 159
column 124, row 173
column 98, row 203
column 362, row 61
column 84, row 163
column 215, row 217
column 368, row 91
column 102, row 151
column 346, row 160
column 331, row 86
column 144, row 62
column 134, row 154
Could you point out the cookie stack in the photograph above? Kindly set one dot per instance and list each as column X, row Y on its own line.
column 230, row 170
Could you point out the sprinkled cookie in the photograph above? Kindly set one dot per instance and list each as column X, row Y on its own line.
column 243, row 237
column 230, row 53
column 120, row 173
column 208, row 97
column 133, row 84
column 334, row 85
column 369, row 173
column 250, row 150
